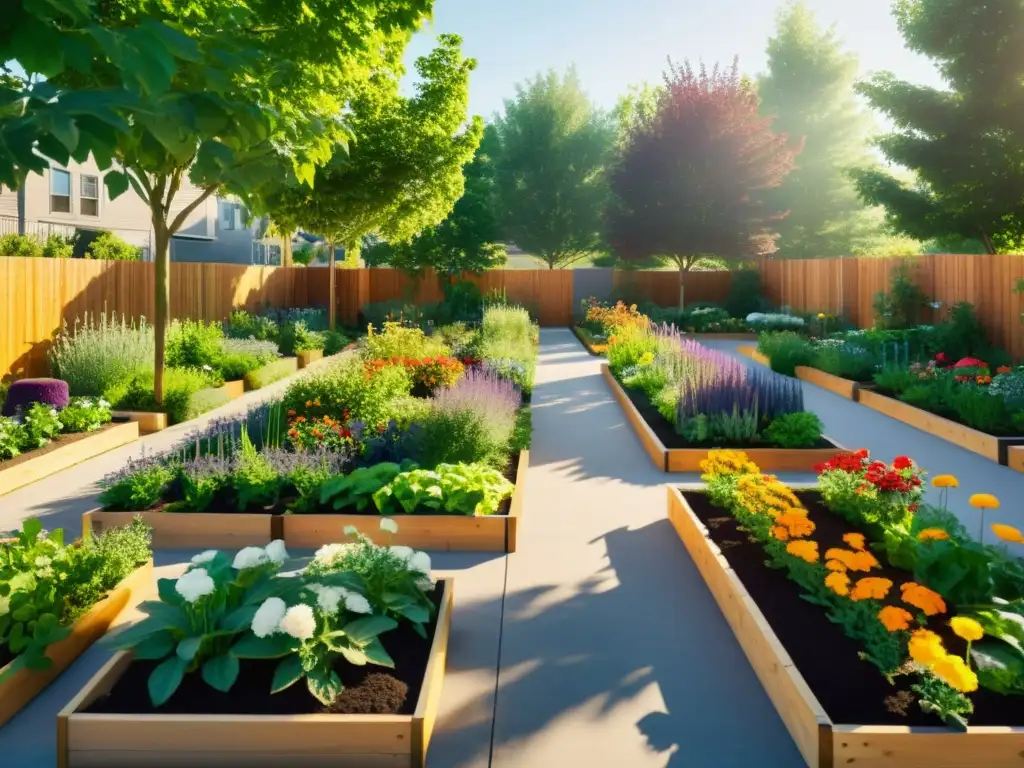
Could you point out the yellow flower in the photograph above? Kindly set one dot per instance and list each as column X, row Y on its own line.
column 925, row 647
column 805, row 550
column 839, row 583
column 821, row 315
column 1008, row 533
column 796, row 522
column 945, row 481
column 954, row 671
column 984, row 501
column 932, row 534
column 921, row 597
column 780, row 532
column 870, row 587
column 835, row 566
column 894, row 618
column 967, row 628
column 855, row 540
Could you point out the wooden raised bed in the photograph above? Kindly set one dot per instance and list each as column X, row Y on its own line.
column 26, row 684
column 821, row 742
column 597, row 349
column 749, row 350
column 1015, row 457
column 233, row 389
column 63, row 456
column 308, row 357
column 689, row 459
column 148, row 421
column 991, row 447
column 252, row 741
column 459, row 533
column 834, row 384
column 192, row 530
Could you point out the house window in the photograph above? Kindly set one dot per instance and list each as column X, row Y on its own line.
column 60, row 191
column 227, row 215
column 90, row 196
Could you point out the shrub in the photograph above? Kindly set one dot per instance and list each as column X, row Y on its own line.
column 904, row 305
column 628, row 346
column 458, row 338
column 794, row 430
column 347, row 386
column 845, row 360
column 406, row 411
column 110, row 247
column 396, row 341
column 240, row 356
column 269, row 373
column 428, row 373
column 315, row 318
column 242, row 325
column 20, row 245
column 193, row 344
column 774, row 321
column 137, row 486
column 744, row 293
column 296, row 337
column 609, row 320
column 58, row 247
column 103, row 561
column 395, row 311
column 99, row 352
column 180, row 385
column 42, row 424
column 962, row 335
column 13, row 438
column 85, row 414
column 24, row 392
column 334, row 342
column 786, row 350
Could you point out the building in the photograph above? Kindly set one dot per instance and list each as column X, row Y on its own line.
column 66, row 200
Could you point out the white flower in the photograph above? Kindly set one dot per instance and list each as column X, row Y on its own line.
column 276, row 551
column 388, row 525
column 299, row 622
column 42, row 561
column 328, row 598
column 250, row 557
column 207, row 368
column 426, row 584
column 45, row 573
column 194, row 585
column 85, row 403
column 420, row 561
column 104, row 403
column 267, row 620
column 351, row 530
column 328, row 553
column 204, row 557
column 357, row 603
column 404, row 553
column 53, row 411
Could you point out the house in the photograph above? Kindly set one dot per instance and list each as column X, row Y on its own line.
column 66, row 200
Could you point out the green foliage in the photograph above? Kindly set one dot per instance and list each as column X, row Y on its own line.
column 786, row 350
column 110, row 247
column 508, row 344
column 356, row 490
column 944, row 701
column 297, row 337
column 346, row 386
column 58, row 247
column 450, row 436
column 845, row 360
column 522, row 435
column 334, row 342
column 396, row 340
column 136, row 488
column 745, row 294
column 456, row 489
column 795, row 430
column 242, row 325
column 13, row 438
column 20, row 245
column 266, row 375
column 550, row 169
column 181, row 385
column 406, row 411
column 194, row 344
column 103, row 561
column 42, row 424
column 101, row 351
column 83, row 414
column 904, row 304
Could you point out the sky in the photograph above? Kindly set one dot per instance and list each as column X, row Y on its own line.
column 616, row 43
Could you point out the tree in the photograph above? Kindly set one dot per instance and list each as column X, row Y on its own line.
column 966, row 144
column 466, row 241
column 403, row 171
column 808, row 90
column 692, row 178
column 550, row 172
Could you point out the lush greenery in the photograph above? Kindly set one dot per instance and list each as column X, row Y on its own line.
column 35, row 426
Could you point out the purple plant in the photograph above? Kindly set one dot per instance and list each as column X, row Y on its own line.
column 494, row 398
column 24, row 392
column 284, row 462
column 393, row 444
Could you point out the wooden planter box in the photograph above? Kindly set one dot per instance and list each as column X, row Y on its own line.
column 233, row 389
column 689, row 459
column 192, row 530
column 823, row 743
column 492, row 533
column 730, row 336
column 991, row 447
column 1015, row 457
column 148, row 421
column 294, row 361
column 749, row 350
column 252, row 741
column 594, row 348
column 309, row 356
column 834, row 384
column 59, row 459
column 26, row 684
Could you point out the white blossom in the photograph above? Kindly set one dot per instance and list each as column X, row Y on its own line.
column 426, row 584
column 267, row 620
column 53, row 411
column 388, row 525
column 250, row 557
column 45, row 573
column 404, row 553
column 276, row 551
column 420, row 561
column 328, row 553
column 357, row 603
column 207, row 368
column 328, row 598
column 299, row 622
column 204, row 557
column 351, row 530
column 194, row 585
column 104, row 403
column 42, row 561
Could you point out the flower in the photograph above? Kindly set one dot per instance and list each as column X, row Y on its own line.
column 780, row 532
column 805, row 550
column 267, row 619
column 299, row 622
column 925, row 647
column 204, row 557
column 276, row 552
column 796, row 523
column 404, row 553
column 967, row 628
column 870, row 587
column 194, row 584
column 921, row 597
column 357, row 603
column 984, row 501
column 932, row 534
column 420, row 561
column 954, row 671
column 839, row 583
column 350, row 530
column 328, row 553
column 250, row 557
column 855, row 540
column 42, row 561
column 863, row 561
column 894, row 618
column 902, row 462
column 835, row 566
column 328, row 598
column 388, row 525
column 1008, row 533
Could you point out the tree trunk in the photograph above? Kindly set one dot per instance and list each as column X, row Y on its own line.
column 987, row 240
column 682, row 286
column 286, row 250
column 162, row 304
column 331, row 309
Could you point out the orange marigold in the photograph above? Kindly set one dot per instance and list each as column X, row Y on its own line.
column 780, row 532
column 921, row 597
column 839, row 583
column 895, row 618
column 863, row 561
column 870, row 587
column 836, row 566
column 925, row 647
column 855, row 540
column 797, row 523
column 805, row 550
column 932, row 534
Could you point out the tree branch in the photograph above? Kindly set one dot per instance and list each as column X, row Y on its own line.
column 183, row 214
column 174, row 187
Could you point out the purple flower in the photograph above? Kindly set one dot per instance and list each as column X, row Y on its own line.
column 494, row 398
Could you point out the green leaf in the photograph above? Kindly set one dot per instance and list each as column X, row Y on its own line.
column 365, row 629
column 377, row 654
column 415, row 613
column 167, row 593
column 221, row 671
column 353, row 656
column 132, row 636
column 239, row 619
column 325, row 685
column 165, row 679
column 287, row 673
column 189, row 647
column 155, row 646
column 116, row 183
column 272, row 647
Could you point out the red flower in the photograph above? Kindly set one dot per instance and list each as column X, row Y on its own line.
column 902, row 462
column 970, row 362
column 941, row 357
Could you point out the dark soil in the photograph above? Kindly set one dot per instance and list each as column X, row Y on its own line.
column 851, row 690
column 251, row 693
column 672, row 439
column 947, row 414
column 58, row 442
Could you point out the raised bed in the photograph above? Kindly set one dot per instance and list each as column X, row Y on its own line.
column 724, row 336
column 25, row 684
column 821, row 741
column 233, row 389
column 148, row 421
column 1015, row 457
column 308, row 357
column 834, row 384
column 596, row 348
column 228, row 530
column 86, row 740
column 990, row 446
column 689, row 459
column 65, row 452
column 749, row 350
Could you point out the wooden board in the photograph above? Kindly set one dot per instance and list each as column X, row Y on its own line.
column 309, row 356
column 233, row 389
column 26, row 684
column 1015, row 457
column 339, row 741
column 749, row 350
column 877, row 746
column 834, row 384
column 191, row 530
column 148, row 421
column 650, row 441
column 594, row 348
column 59, row 459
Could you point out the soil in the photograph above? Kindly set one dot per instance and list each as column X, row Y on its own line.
column 672, row 439
column 946, row 415
column 58, row 442
column 851, row 690
column 251, row 693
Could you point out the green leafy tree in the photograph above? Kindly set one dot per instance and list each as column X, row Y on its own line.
column 551, row 183
column 966, row 142
column 809, row 91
